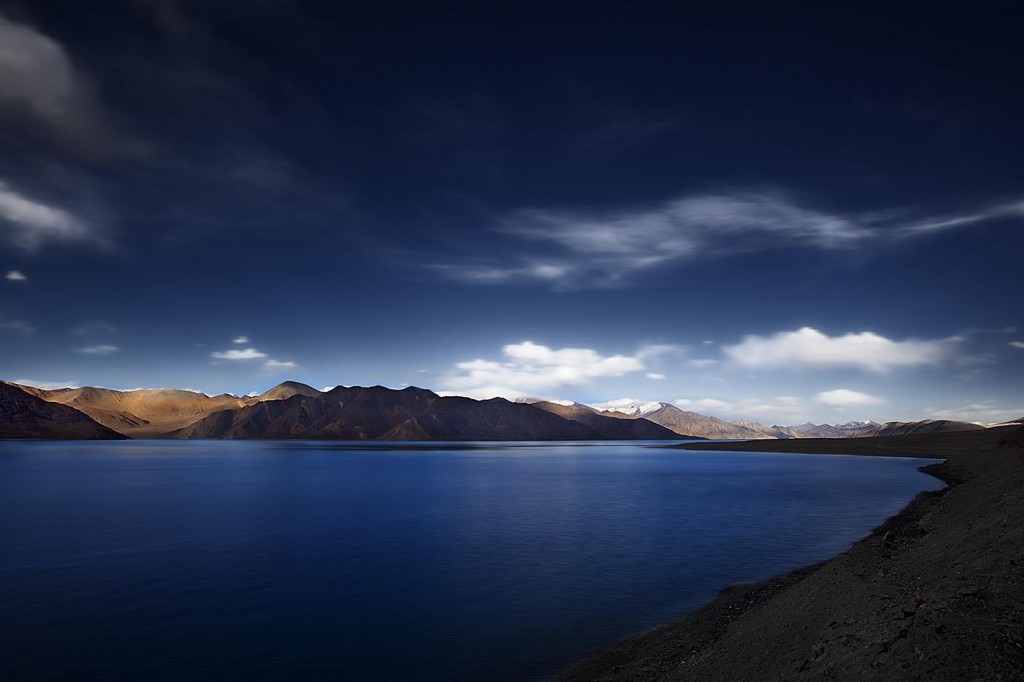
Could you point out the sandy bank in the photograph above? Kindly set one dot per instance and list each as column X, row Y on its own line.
column 937, row 592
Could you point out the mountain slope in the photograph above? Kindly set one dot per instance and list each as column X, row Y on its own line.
column 286, row 390
column 925, row 426
column 613, row 427
column 379, row 413
column 693, row 423
column 139, row 413
column 25, row 416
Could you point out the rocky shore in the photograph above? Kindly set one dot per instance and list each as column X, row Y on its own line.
column 935, row 593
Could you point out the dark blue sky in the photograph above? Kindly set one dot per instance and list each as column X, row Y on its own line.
column 361, row 193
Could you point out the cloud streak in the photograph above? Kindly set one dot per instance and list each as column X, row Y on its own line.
column 570, row 249
column 101, row 349
column 28, row 223
column 15, row 276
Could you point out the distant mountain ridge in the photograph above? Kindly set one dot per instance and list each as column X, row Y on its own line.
column 378, row 413
column 26, row 416
column 295, row 410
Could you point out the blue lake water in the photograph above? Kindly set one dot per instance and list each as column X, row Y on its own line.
column 252, row 560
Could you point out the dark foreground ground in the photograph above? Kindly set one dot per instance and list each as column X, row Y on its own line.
column 935, row 593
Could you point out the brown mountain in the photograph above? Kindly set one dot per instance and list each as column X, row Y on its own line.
column 23, row 415
column 143, row 413
column 614, row 426
column 699, row 425
column 926, row 426
column 286, row 390
column 380, row 413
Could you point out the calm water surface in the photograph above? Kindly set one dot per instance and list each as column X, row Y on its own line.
column 270, row 560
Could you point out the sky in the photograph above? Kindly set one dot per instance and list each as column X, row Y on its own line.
column 778, row 213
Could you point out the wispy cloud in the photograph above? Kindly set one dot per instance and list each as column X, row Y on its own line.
column 1019, row 345
column 529, row 369
column 94, row 329
column 779, row 409
column 844, row 397
column 985, row 412
column 280, row 364
column 656, row 376
column 46, row 385
column 809, row 348
column 101, row 349
column 16, row 326
column 50, row 95
column 570, row 249
column 240, row 339
column 28, row 223
column 15, row 276
column 238, row 354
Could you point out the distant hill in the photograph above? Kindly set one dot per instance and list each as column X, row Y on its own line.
column 379, row 413
column 688, row 424
column 286, row 390
column 809, row 430
column 25, row 416
column 926, row 426
column 611, row 426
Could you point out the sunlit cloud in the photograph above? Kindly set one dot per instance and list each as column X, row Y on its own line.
column 843, row 397
column 240, row 339
column 810, row 348
column 15, row 276
column 655, row 376
column 529, row 369
column 238, row 354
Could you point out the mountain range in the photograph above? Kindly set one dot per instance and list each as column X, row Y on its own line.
column 295, row 410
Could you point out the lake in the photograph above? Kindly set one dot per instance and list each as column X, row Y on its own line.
column 175, row 560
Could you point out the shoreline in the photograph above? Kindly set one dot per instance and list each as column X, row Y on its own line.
column 935, row 592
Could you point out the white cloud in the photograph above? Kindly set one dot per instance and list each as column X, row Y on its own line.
column 46, row 385
column 844, row 397
column 702, row 363
column 808, row 347
column 101, row 349
column 1017, row 344
column 779, row 409
column 531, row 370
column 605, row 248
column 655, row 376
column 280, row 364
column 29, row 223
column 984, row 412
column 236, row 354
column 17, row 326
column 240, row 339
column 15, row 276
